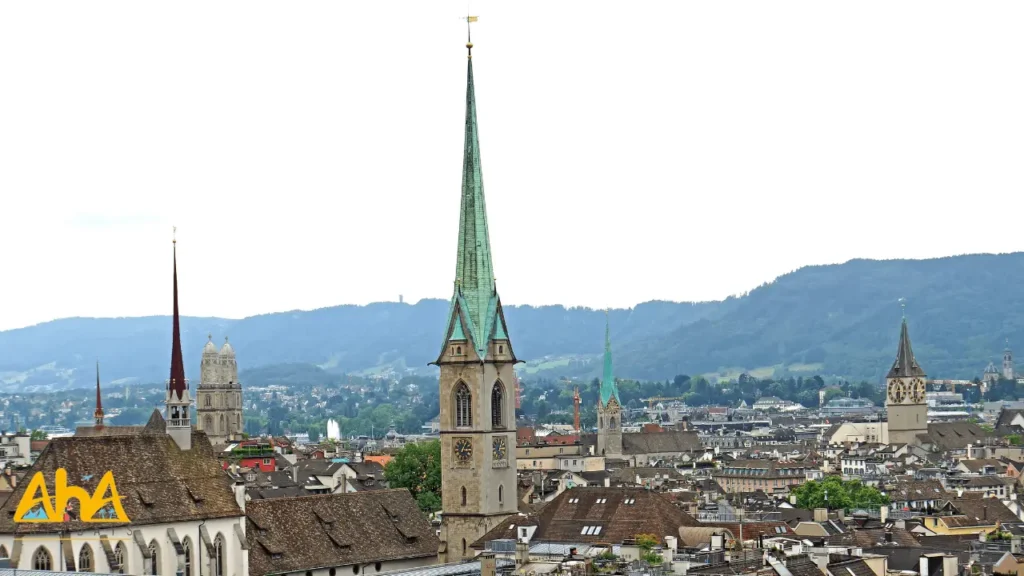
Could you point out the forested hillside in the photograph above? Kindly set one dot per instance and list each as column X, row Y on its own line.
column 839, row 320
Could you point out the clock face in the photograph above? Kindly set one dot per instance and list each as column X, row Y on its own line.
column 499, row 450
column 918, row 390
column 898, row 392
column 463, row 449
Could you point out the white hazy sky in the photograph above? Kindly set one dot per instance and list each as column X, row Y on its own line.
column 310, row 152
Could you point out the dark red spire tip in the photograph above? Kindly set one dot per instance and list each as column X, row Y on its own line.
column 98, row 414
column 176, row 385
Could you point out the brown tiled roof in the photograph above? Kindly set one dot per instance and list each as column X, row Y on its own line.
column 918, row 490
column 37, row 445
column 311, row 532
column 983, row 511
column 851, row 567
column 660, row 442
column 622, row 513
column 871, row 537
column 953, row 435
column 158, row 482
column 802, row 565
column 753, row 530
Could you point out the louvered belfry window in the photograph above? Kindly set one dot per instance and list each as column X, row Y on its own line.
column 497, row 405
column 463, row 406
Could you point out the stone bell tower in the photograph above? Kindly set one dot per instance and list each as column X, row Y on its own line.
column 478, row 429
column 905, row 399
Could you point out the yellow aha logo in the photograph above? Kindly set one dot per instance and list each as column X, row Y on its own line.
column 38, row 506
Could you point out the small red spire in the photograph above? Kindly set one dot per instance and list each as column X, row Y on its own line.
column 176, row 385
column 98, row 414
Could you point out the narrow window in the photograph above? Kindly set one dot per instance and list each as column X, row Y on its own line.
column 458, row 350
column 42, row 560
column 154, row 558
column 463, row 406
column 121, row 558
column 186, row 547
column 497, row 405
column 463, row 546
column 501, row 349
column 463, row 495
column 208, row 401
column 85, row 563
column 218, row 556
column 501, row 494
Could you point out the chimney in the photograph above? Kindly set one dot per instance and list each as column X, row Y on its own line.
column 672, row 543
column 888, row 536
column 883, row 514
column 295, row 473
column 522, row 554
column 488, row 565
column 239, row 490
column 841, row 514
column 984, row 512
column 607, row 481
column 820, row 514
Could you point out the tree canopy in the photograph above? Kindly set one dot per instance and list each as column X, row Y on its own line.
column 835, row 493
column 417, row 467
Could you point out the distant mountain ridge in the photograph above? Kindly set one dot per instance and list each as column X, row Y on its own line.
column 839, row 320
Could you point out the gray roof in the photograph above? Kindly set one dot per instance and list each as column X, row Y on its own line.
column 906, row 365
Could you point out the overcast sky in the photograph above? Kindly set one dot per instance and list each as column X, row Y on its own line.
column 310, row 152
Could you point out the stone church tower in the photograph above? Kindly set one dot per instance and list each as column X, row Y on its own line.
column 219, row 396
column 178, row 401
column 905, row 395
column 609, row 407
column 478, row 429
column 1008, row 371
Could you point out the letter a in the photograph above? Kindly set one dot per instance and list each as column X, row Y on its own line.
column 30, row 499
column 98, row 501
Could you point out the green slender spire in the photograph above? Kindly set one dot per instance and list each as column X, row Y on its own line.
column 475, row 313
column 608, row 388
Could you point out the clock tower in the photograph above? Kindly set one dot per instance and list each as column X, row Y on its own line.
column 478, row 428
column 905, row 400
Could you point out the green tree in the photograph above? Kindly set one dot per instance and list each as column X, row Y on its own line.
column 417, row 467
column 38, row 435
column 314, row 434
column 834, row 493
column 646, row 543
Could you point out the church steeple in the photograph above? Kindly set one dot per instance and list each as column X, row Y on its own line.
column 178, row 402
column 176, row 385
column 98, row 414
column 608, row 388
column 906, row 365
column 475, row 314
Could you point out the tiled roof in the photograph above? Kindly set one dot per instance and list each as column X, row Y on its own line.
column 802, row 565
column 983, row 511
column 918, row 490
column 296, row 534
column 953, row 435
column 753, row 530
column 870, row 537
column 158, row 482
column 661, row 442
column 852, row 567
column 621, row 514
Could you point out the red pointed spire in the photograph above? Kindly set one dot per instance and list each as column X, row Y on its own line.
column 176, row 385
column 98, row 414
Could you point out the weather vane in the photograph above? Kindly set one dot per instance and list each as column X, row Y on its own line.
column 903, row 307
column 469, row 33
column 174, row 234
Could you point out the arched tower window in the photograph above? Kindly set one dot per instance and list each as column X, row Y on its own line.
column 463, row 406
column 223, row 427
column 186, row 546
column 463, row 546
column 219, row 567
column 611, row 422
column 121, row 558
column 154, row 558
column 463, row 495
column 498, row 405
column 42, row 560
column 85, row 560
column 208, row 401
column 208, row 423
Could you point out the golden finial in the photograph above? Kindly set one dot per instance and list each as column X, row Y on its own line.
column 469, row 35
column 174, row 234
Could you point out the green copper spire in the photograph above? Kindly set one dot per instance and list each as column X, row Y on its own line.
column 475, row 313
column 474, row 274
column 608, row 387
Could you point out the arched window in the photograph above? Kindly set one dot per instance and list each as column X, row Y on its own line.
column 208, row 401
column 501, row 494
column 121, row 558
column 463, row 495
column 219, row 567
column 223, row 427
column 85, row 560
column 42, row 560
column 154, row 558
column 208, row 423
column 463, row 546
column 611, row 422
column 463, row 406
column 186, row 546
column 497, row 405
